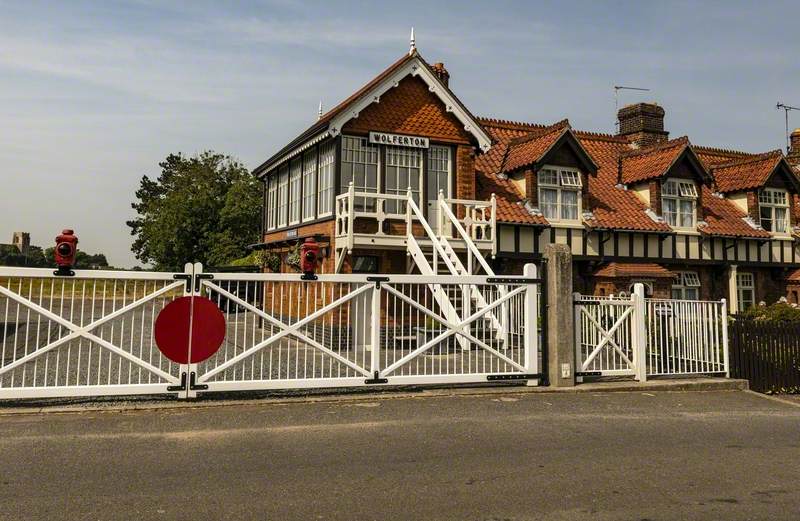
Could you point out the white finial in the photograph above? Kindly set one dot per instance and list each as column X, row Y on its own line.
column 413, row 43
column 319, row 114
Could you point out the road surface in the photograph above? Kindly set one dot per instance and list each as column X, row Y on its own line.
column 695, row 455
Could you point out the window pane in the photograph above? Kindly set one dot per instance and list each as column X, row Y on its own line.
column 438, row 171
column 327, row 156
column 670, row 207
column 780, row 220
column 548, row 200
column 766, row 217
column 569, row 204
column 548, row 177
column 669, row 188
column 359, row 165
column 570, row 178
column 691, row 294
column 295, row 196
column 677, row 294
column 403, row 171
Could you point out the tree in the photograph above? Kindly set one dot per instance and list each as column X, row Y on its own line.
column 204, row 208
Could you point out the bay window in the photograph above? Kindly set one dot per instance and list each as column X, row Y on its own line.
column 745, row 290
column 559, row 193
column 309, row 184
column 686, row 286
column 679, row 203
column 774, row 210
column 359, row 166
column 327, row 160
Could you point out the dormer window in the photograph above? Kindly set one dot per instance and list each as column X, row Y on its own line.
column 679, row 203
column 560, row 193
column 773, row 207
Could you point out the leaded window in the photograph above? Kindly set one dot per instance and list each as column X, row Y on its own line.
column 686, row 286
column 360, row 166
column 309, row 184
column 559, row 193
column 679, row 203
column 403, row 173
column 773, row 208
column 745, row 290
column 327, row 160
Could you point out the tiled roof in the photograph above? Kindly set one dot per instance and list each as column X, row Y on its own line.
column 619, row 269
column 651, row 162
column 527, row 150
column 746, row 173
column 612, row 206
column 725, row 219
column 794, row 276
column 509, row 199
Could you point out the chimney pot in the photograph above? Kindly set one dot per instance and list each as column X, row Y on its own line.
column 642, row 123
column 441, row 73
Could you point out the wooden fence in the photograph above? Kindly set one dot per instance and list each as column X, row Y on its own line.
column 766, row 353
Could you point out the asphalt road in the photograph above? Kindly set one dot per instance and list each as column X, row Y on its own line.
column 634, row 456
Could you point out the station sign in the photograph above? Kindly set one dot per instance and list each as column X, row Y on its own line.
column 383, row 138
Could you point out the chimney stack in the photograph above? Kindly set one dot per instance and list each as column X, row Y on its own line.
column 794, row 148
column 441, row 73
column 642, row 124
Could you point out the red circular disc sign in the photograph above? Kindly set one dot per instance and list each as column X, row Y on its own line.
column 172, row 329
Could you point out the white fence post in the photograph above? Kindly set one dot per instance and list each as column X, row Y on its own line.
column 639, row 334
column 375, row 330
column 531, row 339
column 576, row 312
column 725, row 353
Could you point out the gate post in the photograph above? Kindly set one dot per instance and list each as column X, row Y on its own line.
column 560, row 323
column 639, row 333
column 531, row 338
column 725, row 352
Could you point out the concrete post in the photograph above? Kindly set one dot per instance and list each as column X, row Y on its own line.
column 560, row 323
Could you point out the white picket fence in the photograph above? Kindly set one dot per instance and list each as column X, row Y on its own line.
column 92, row 334
column 641, row 337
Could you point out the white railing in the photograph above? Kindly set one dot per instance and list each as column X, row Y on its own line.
column 478, row 219
column 346, row 329
column 686, row 336
column 90, row 334
column 650, row 337
column 93, row 334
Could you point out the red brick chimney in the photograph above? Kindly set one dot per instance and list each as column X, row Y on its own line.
column 794, row 148
column 642, row 124
column 441, row 73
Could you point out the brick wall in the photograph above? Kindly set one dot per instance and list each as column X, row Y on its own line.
column 752, row 206
column 655, row 196
column 642, row 123
column 465, row 172
column 531, row 187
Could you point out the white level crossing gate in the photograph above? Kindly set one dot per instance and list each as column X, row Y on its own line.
column 92, row 334
column 641, row 337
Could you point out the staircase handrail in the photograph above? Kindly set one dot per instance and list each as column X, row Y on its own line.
column 443, row 206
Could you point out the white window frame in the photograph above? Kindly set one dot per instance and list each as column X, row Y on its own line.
column 398, row 158
column 309, row 185
column 745, row 281
column 325, row 189
column 357, row 150
column 295, row 193
column 282, row 208
column 439, row 161
column 567, row 180
column 684, row 191
column 767, row 200
column 272, row 201
column 685, row 282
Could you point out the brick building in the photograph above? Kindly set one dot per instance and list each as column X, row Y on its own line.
column 688, row 221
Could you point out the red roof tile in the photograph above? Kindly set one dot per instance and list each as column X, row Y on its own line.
column 527, row 150
column 794, row 276
column 619, row 269
column 651, row 162
column 746, row 173
column 723, row 218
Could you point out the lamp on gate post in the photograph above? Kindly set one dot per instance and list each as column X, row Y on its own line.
column 66, row 249
column 309, row 254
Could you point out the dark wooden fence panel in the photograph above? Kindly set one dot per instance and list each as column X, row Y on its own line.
column 767, row 354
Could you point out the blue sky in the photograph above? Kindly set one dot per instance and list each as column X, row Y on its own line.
column 94, row 94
